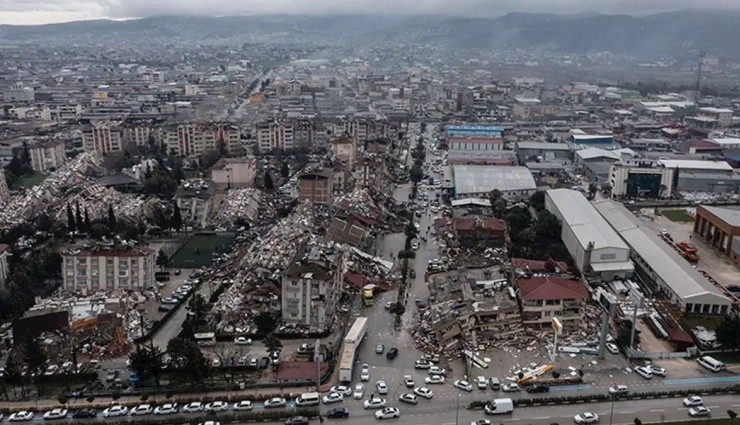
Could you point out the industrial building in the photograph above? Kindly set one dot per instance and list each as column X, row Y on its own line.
column 703, row 176
column 593, row 244
column 657, row 262
column 720, row 227
column 547, row 151
column 471, row 181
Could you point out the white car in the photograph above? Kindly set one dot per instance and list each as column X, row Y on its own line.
column 114, row 411
column 341, row 389
column 382, row 387
column 365, row 374
column 22, row 416
column 586, row 418
column 693, row 400
column 424, row 392
column 422, row 364
column 481, row 422
column 482, row 382
column 374, row 403
column 408, row 398
column 359, row 392
column 409, row 381
column 435, row 379
column 141, row 410
column 242, row 406
column 166, row 409
column 644, row 372
column 57, row 413
column 242, row 340
column 388, row 413
column 51, row 370
column 618, row 390
column 274, row 402
column 217, row 406
column 193, row 407
column 699, row 411
column 463, row 385
column 332, row 397
column 612, row 348
column 436, row 370
column 511, row 387
column 657, row 370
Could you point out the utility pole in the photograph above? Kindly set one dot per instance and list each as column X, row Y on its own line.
column 457, row 410
column 611, row 415
column 697, row 88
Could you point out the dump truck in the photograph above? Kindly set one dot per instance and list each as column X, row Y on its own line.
column 368, row 294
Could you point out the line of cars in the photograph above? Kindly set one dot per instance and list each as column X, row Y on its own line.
column 169, row 303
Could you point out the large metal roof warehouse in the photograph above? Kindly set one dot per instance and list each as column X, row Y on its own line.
column 672, row 274
column 472, row 181
column 593, row 244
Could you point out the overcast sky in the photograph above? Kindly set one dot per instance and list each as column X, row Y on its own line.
column 28, row 12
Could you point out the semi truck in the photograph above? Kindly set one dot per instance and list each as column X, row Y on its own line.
column 352, row 340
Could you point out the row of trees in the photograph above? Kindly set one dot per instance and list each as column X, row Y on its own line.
column 524, row 230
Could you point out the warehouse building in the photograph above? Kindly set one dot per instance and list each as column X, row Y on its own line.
column 721, row 228
column 593, row 244
column 472, row 181
column 657, row 262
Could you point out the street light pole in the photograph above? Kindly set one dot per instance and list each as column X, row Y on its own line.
column 457, row 410
column 611, row 415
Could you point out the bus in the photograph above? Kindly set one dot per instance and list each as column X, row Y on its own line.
column 711, row 363
column 206, row 339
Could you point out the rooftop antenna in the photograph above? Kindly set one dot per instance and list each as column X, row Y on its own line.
column 697, row 89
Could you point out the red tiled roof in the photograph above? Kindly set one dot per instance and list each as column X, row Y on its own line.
column 679, row 335
column 492, row 223
column 356, row 279
column 525, row 263
column 551, row 288
column 463, row 223
column 3, row 247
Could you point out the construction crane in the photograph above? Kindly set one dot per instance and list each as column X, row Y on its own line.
column 697, row 89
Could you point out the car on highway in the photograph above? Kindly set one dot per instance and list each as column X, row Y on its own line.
column 193, row 407
column 217, row 406
column 644, row 372
column 612, row 348
column 359, row 392
column 365, row 373
column 586, row 418
column 511, row 387
column 57, row 413
column 374, row 403
column 481, row 382
column 297, row 420
column 408, row 381
column 657, row 370
column 422, row 364
column 481, row 422
column 436, row 370
column 142, row 410
column 22, row 416
column 332, row 397
column 538, row 388
column 699, row 411
column 618, row 390
column 463, row 385
column 379, row 349
column 115, row 411
column 341, row 389
column 392, row 353
column 242, row 340
column 85, row 414
column 166, row 409
column 337, row 412
column 274, row 402
column 381, row 387
column 693, row 400
column 435, row 379
column 408, row 398
column 424, row 392
column 242, row 406
column 388, row 413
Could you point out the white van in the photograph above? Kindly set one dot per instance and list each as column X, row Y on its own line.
column 308, row 399
column 711, row 363
column 499, row 406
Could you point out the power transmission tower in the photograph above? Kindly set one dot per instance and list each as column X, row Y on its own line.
column 697, row 89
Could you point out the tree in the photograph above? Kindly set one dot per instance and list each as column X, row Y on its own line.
column 265, row 323
column 62, row 399
column 111, row 218
column 98, row 230
column 78, row 218
column 416, row 174
column 272, row 343
column 547, row 225
column 498, row 203
column 592, row 188
column 162, row 259
column 269, row 185
column 555, row 374
column 285, row 170
column 176, row 217
column 728, row 332
column 732, row 414
column 71, row 223
column 537, row 200
column 34, row 356
column 145, row 361
column 187, row 355
column 198, row 308
column 637, row 421
column 90, row 399
column 87, row 221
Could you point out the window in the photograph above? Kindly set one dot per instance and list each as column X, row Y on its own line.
column 608, row 256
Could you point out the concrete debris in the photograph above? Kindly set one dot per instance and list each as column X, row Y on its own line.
column 238, row 203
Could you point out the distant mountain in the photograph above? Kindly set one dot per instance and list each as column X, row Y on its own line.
column 688, row 31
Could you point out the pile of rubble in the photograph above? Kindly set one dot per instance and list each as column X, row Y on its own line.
column 51, row 192
column 96, row 199
column 238, row 203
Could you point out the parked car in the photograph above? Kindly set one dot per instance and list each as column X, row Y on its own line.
column 341, row 389
column 424, row 392
column 699, row 411
column 332, row 397
column 242, row 340
column 379, row 349
column 114, row 411
column 365, row 373
column 618, row 390
column 463, row 385
column 481, row 422
column 693, row 400
column 22, row 416
column 482, row 382
column 612, row 348
column 297, row 420
column 538, row 388
column 242, row 406
column 408, row 398
column 85, row 414
column 436, row 370
column 422, row 364
column 409, row 381
column 435, row 379
column 193, row 407
column 337, row 412
column 217, row 406
column 57, row 413
column 275, row 402
column 388, row 413
column 511, row 387
column 381, row 387
column 111, row 376
column 166, row 409
column 586, row 418
column 392, row 353
column 141, row 410
column 495, row 384
column 374, row 403
column 644, row 372
column 432, row 358
column 657, row 370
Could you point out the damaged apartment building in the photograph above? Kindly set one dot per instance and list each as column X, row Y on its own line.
column 311, row 286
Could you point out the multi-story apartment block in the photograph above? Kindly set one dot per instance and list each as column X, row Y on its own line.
column 345, row 149
column 102, row 137
column 140, row 135
column 274, row 135
column 234, row 173
column 545, row 297
column 311, row 287
column 196, row 139
column 316, row 186
column 4, row 271
column 19, row 93
column 47, row 155
column 108, row 268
